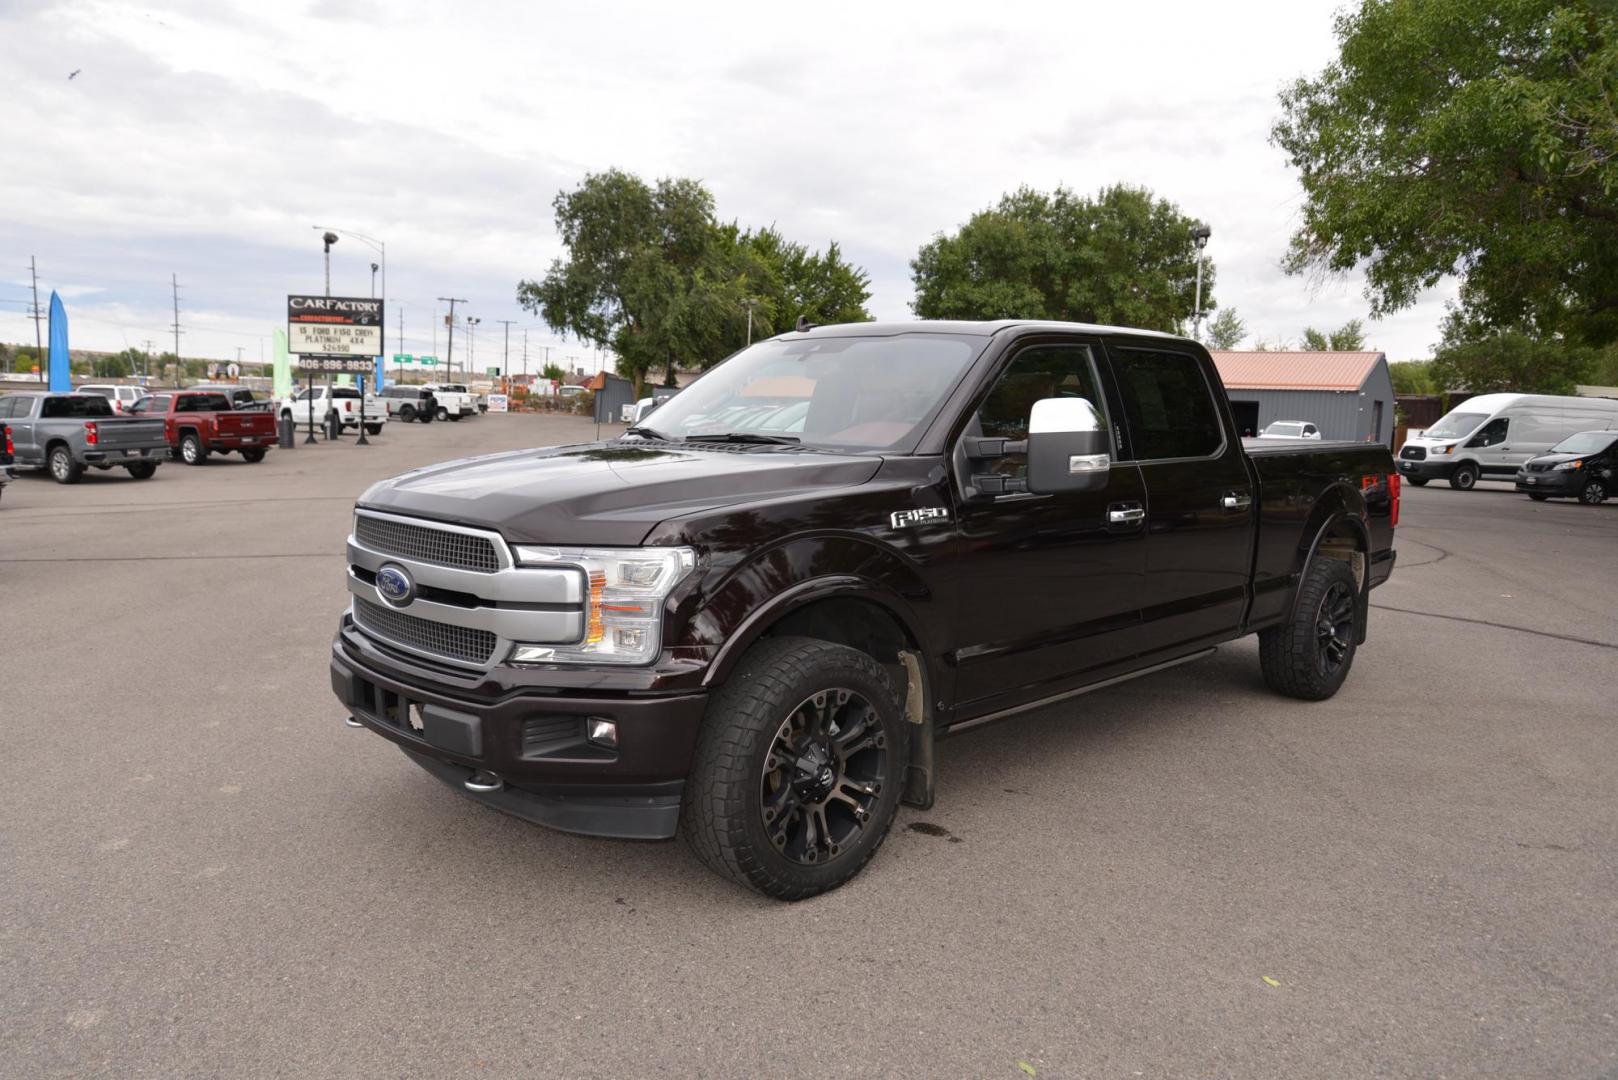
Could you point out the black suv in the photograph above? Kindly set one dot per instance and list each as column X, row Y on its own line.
column 1579, row 467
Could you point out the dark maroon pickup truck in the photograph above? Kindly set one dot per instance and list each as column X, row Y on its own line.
column 751, row 618
column 202, row 422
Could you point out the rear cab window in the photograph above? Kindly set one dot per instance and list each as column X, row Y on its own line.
column 1169, row 407
column 70, row 408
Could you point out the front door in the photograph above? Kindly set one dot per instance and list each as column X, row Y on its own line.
column 1490, row 447
column 1200, row 501
column 1049, row 586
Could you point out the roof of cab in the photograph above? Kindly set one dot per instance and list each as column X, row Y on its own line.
column 961, row 328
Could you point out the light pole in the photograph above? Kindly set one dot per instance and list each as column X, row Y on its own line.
column 1199, row 237
column 373, row 281
column 471, row 347
column 750, row 303
column 381, row 248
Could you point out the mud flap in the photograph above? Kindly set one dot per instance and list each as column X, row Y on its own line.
column 918, row 774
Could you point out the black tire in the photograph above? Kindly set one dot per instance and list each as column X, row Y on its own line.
column 1537, row 496
column 1594, row 491
column 286, row 414
column 145, row 470
column 443, row 413
column 804, row 696
column 407, row 413
column 1419, row 481
column 253, row 457
column 64, row 470
column 1465, row 477
column 373, row 429
column 1309, row 656
column 192, row 452
column 458, row 417
column 425, row 417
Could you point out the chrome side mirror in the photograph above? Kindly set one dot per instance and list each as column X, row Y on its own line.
column 1068, row 447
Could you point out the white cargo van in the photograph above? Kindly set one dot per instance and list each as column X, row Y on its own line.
column 1488, row 437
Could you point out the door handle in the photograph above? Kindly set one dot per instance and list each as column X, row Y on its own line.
column 1236, row 500
column 1125, row 514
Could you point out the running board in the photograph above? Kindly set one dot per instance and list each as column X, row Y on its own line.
column 977, row 721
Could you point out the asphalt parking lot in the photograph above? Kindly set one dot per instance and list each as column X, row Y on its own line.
column 204, row 873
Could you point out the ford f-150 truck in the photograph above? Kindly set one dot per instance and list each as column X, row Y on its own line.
column 202, row 422
column 66, row 432
column 752, row 620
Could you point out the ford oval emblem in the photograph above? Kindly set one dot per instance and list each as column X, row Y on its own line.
column 393, row 584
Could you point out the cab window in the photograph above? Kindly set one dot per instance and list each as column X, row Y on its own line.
column 1491, row 434
column 1042, row 371
column 1168, row 405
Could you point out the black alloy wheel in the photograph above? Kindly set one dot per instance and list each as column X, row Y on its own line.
column 1334, row 629
column 1309, row 655
column 1594, row 492
column 796, row 778
column 822, row 776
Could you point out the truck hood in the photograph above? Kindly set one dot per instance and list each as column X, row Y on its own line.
column 606, row 493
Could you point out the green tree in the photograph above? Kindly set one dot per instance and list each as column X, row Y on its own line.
column 1350, row 337
column 1122, row 257
column 1227, row 330
column 1511, row 361
column 1468, row 137
column 1414, row 377
column 553, row 371
column 652, row 275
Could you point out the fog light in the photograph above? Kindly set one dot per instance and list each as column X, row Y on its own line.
column 603, row 732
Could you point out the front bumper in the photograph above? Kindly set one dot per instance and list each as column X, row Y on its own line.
column 534, row 743
column 1428, row 468
column 1567, row 482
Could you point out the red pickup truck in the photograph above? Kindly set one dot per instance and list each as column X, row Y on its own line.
column 199, row 423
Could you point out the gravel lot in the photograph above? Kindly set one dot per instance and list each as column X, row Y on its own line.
column 204, row 873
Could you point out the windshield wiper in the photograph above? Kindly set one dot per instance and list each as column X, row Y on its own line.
column 648, row 433
column 744, row 437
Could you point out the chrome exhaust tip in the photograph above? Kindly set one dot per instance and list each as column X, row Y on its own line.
column 351, row 722
column 483, row 782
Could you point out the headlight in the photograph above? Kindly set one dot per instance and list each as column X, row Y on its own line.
column 624, row 621
column 1440, row 451
column 1566, row 465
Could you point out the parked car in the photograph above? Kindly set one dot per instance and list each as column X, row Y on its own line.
column 455, row 401
column 345, row 403
column 6, row 451
column 67, row 432
column 201, row 422
column 121, row 396
column 1491, row 436
column 710, row 630
column 1290, row 429
column 1582, row 466
column 242, row 398
column 570, row 391
column 640, row 410
column 409, row 403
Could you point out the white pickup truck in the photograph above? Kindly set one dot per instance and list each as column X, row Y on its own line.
column 311, row 405
column 455, row 400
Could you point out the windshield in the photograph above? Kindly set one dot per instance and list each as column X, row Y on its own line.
column 1585, row 442
column 63, row 408
column 843, row 393
column 1284, row 429
column 1455, row 425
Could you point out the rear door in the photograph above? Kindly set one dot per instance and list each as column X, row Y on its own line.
column 1049, row 585
column 21, row 422
column 1200, row 497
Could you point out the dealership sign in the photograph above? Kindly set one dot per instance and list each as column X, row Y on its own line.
column 334, row 326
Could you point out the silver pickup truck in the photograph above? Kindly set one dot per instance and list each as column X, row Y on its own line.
column 67, row 432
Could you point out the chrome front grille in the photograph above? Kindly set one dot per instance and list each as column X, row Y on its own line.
column 423, row 543
column 461, row 643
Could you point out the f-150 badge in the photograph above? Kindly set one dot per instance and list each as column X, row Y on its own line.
column 903, row 519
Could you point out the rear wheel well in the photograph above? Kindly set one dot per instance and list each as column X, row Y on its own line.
column 1346, row 543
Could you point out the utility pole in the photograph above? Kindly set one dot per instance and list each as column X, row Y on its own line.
column 525, row 354
column 505, row 361
column 147, row 367
column 179, row 368
column 39, row 340
column 449, row 353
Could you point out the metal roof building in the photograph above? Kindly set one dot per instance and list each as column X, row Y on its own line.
column 1348, row 395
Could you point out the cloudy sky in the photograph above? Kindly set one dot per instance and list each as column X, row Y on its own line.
column 206, row 139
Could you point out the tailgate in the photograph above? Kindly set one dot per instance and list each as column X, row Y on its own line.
column 245, row 423
column 118, row 434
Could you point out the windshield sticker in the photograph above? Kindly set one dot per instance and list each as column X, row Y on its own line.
column 903, row 519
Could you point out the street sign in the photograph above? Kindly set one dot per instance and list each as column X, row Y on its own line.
column 341, row 326
column 429, row 361
column 493, row 371
column 403, row 358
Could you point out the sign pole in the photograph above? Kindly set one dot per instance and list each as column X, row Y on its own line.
column 309, row 404
column 362, row 440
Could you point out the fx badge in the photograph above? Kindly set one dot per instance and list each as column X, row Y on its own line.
column 903, row 519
